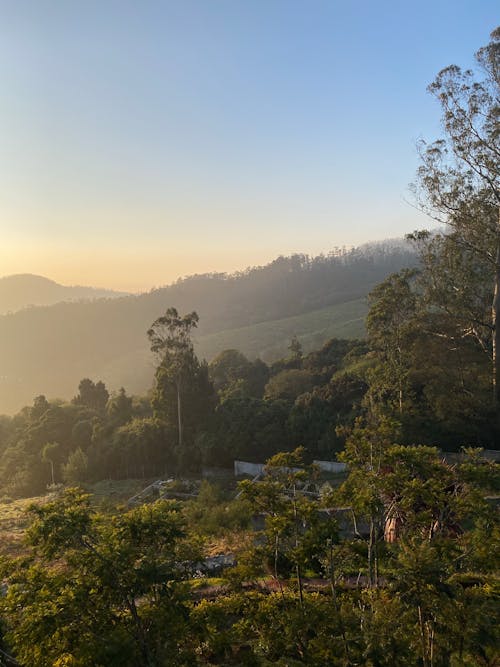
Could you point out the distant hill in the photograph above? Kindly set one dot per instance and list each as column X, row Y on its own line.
column 48, row 350
column 25, row 289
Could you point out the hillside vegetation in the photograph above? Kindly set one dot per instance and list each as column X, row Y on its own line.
column 270, row 340
column 48, row 350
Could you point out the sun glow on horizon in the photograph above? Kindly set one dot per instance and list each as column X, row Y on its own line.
column 142, row 145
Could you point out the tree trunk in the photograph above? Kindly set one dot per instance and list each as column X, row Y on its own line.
column 276, row 574
column 495, row 322
column 139, row 633
column 297, row 564
column 423, row 637
column 337, row 608
column 179, row 415
column 431, row 633
column 400, row 379
column 371, row 544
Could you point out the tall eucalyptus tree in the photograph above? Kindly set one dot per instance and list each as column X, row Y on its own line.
column 458, row 181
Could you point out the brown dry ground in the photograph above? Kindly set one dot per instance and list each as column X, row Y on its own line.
column 14, row 519
column 13, row 523
column 107, row 495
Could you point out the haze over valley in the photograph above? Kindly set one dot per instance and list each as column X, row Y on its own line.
column 25, row 290
column 47, row 350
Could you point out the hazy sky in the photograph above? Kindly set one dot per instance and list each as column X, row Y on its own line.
column 145, row 140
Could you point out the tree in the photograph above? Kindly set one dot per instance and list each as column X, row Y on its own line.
column 295, row 349
column 50, row 455
column 365, row 453
column 249, row 428
column 91, row 394
column 315, row 417
column 289, row 384
column 99, row 589
column 181, row 380
column 170, row 338
column 81, row 433
column 389, row 324
column 291, row 515
column 458, row 182
column 119, row 408
column 139, row 448
column 75, row 469
column 227, row 367
column 428, row 368
column 40, row 407
column 234, row 375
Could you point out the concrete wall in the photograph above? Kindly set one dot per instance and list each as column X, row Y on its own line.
column 242, row 468
column 331, row 466
column 253, row 469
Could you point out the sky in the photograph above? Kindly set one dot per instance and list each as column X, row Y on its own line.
column 144, row 141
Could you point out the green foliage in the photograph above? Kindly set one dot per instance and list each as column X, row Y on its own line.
column 429, row 373
column 233, row 375
column 120, row 408
column 76, row 468
column 289, row 384
column 212, row 513
column 316, row 418
column 106, row 589
column 40, row 407
column 140, row 448
column 251, row 429
column 92, row 395
column 459, row 184
column 183, row 396
column 390, row 326
column 295, row 536
column 295, row 348
column 102, row 590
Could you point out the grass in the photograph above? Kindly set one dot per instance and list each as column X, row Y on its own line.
column 13, row 523
column 206, row 582
column 269, row 340
column 14, row 519
column 117, row 489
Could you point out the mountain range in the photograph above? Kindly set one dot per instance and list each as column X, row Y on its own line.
column 49, row 349
column 25, row 289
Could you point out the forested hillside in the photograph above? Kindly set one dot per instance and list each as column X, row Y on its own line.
column 48, row 350
column 270, row 340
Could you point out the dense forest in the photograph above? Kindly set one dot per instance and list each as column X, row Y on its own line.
column 392, row 560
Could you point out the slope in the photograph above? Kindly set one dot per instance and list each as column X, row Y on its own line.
column 48, row 350
column 270, row 340
column 25, row 289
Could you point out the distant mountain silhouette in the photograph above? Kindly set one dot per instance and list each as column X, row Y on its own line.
column 48, row 350
column 25, row 289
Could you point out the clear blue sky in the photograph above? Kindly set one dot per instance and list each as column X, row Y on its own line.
column 145, row 140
